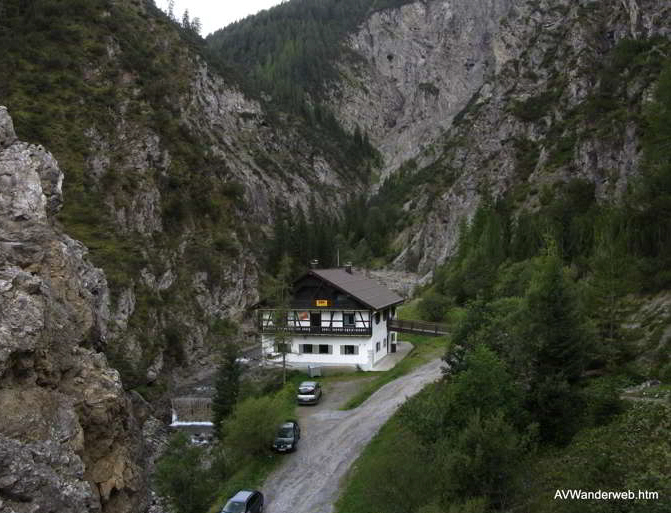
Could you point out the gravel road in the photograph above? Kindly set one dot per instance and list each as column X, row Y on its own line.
column 331, row 440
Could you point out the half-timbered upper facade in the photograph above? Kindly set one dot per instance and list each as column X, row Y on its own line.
column 336, row 317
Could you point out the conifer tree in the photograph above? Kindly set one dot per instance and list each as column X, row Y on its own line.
column 608, row 286
column 280, row 296
column 196, row 25
column 553, row 341
column 227, row 387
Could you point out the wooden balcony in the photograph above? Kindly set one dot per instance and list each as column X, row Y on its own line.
column 341, row 331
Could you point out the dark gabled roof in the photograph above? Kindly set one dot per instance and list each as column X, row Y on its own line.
column 369, row 292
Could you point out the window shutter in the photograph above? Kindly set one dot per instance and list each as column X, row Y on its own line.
column 330, row 349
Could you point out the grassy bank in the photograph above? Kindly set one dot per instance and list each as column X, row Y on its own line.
column 372, row 469
column 425, row 349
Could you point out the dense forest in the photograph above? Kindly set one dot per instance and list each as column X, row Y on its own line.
column 286, row 57
column 361, row 234
column 290, row 51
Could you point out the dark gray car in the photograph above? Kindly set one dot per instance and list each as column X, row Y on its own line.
column 287, row 437
column 245, row 501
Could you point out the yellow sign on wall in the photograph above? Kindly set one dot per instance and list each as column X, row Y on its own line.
column 321, row 302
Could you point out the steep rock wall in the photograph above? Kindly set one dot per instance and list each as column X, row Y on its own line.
column 535, row 121
column 172, row 176
column 69, row 441
column 415, row 68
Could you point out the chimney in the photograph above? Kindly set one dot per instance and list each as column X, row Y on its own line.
column 348, row 267
column 314, row 263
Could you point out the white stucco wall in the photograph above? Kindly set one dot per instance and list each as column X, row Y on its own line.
column 295, row 358
column 367, row 357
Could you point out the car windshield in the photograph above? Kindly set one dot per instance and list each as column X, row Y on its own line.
column 306, row 390
column 285, row 432
column 234, row 507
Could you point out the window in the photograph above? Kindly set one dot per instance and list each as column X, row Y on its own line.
column 385, row 315
column 377, row 317
column 325, row 349
column 306, row 348
column 348, row 320
column 349, row 349
column 385, row 341
column 393, row 312
column 377, row 346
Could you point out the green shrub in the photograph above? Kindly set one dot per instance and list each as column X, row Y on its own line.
column 482, row 461
column 536, row 107
column 630, row 453
column 252, row 427
column 183, row 479
column 433, row 306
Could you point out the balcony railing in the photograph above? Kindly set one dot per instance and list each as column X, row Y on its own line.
column 418, row 327
column 347, row 331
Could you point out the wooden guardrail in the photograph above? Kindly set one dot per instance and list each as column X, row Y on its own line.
column 418, row 327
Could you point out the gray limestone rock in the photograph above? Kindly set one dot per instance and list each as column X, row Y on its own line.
column 68, row 439
column 420, row 65
column 7, row 134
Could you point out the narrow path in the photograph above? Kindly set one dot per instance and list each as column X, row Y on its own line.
column 331, row 440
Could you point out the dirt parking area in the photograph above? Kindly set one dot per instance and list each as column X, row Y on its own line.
column 331, row 440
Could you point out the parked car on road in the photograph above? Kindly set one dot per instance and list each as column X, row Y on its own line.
column 287, row 437
column 245, row 501
column 309, row 392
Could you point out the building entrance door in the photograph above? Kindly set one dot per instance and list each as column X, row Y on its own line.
column 315, row 322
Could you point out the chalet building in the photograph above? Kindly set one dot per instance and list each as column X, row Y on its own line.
column 337, row 317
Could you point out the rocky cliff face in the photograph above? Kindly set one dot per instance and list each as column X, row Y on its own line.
column 417, row 67
column 68, row 439
column 171, row 179
column 523, row 97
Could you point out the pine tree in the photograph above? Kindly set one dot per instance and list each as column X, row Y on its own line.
column 171, row 10
column 186, row 23
column 553, row 342
column 196, row 25
column 608, row 286
column 227, row 387
column 280, row 297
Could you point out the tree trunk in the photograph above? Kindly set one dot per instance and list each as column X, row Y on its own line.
column 284, row 368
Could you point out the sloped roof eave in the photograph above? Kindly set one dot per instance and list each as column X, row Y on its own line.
column 391, row 299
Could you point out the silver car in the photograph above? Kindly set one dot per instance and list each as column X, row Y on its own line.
column 309, row 392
